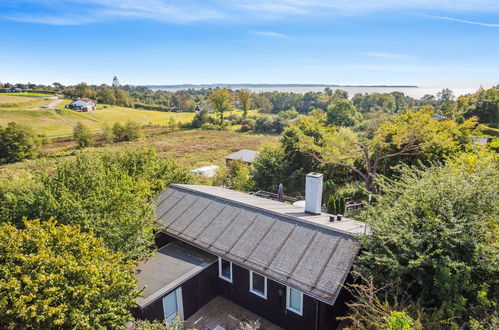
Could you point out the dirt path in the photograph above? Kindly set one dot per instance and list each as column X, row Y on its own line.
column 52, row 106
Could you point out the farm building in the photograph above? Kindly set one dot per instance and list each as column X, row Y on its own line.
column 228, row 257
column 205, row 107
column 83, row 105
column 247, row 156
column 12, row 90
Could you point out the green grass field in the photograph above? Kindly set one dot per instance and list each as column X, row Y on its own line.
column 13, row 102
column 20, row 110
column 45, row 121
column 192, row 148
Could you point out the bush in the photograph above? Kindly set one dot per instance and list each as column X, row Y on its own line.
column 200, row 119
column 245, row 128
column 56, row 277
column 107, row 194
column 82, row 135
column 128, row 132
column 433, row 232
column 18, row 142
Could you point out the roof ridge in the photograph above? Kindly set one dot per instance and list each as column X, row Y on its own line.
column 289, row 217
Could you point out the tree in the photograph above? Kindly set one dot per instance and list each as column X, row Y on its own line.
column 116, row 82
column 244, row 96
column 221, row 100
column 58, row 86
column 57, row 277
column 107, row 194
column 82, row 135
column 128, row 132
column 407, row 135
column 105, row 95
column 18, row 142
column 236, row 177
column 107, row 133
column 342, row 113
column 262, row 103
column 484, row 104
column 434, row 233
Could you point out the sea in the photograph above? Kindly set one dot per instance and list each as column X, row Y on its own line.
column 412, row 91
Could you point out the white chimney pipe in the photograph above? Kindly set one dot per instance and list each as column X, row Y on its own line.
column 313, row 193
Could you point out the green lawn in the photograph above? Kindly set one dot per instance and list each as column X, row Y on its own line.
column 44, row 121
column 13, row 102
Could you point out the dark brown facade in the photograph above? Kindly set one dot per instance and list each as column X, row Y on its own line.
column 199, row 290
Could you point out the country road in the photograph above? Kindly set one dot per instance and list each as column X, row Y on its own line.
column 52, row 106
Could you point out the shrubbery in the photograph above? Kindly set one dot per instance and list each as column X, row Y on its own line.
column 128, row 132
column 57, row 277
column 18, row 142
column 434, row 241
column 82, row 135
column 108, row 194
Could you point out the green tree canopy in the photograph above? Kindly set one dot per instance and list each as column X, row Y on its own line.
column 18, row 142
column 108, row 194
column 414, row 134
column 434, row 235
column 82, row 135
column 57, row 277
column 221, row 100
column 244, row 96
column 342, row 113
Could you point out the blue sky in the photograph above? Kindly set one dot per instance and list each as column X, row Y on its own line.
column 419, row 42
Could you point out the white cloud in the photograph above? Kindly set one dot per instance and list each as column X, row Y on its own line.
column 389, row 55
column 452, row 19
column 271, row 34
column 73, row 12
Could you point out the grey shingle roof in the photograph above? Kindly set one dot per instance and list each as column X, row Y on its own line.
column 245, row 155
column 272, row 238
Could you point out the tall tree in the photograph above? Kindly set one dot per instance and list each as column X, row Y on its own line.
column 221, row 101
column 244, row 96
column 342, row 113
column 18, row 142
column 56, row 277
column 410, row 134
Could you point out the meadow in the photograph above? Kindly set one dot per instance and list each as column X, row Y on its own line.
column 60, row 121
column 192, row 148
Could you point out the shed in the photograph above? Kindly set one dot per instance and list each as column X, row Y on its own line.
column 208, row 171
column 246, row 155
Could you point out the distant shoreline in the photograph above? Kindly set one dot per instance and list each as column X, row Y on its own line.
column 195, row 86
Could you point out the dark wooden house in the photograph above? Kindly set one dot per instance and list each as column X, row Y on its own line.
column 267, row 259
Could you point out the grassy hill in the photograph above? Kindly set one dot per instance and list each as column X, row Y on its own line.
column 60, row 121
column 25, row 110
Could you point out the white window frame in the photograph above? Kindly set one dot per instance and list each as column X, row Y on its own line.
column 220, row 270
column 180, row 306
column 288, row 299
column 258, row 293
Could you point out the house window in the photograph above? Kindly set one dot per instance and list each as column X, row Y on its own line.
column 294, row 300
column 225, row 269
column 258, row 284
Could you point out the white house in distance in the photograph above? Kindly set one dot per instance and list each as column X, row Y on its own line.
column 83, row 105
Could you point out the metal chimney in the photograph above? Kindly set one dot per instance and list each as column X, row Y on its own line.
column 313, row 193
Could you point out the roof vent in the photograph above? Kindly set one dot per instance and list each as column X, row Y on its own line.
column 313, row 193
